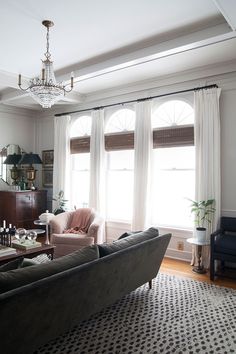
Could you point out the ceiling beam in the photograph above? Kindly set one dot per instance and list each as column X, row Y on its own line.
column 228, row 10
column 166, row 49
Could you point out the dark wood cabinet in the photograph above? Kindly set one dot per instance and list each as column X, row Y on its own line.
column 21, row 208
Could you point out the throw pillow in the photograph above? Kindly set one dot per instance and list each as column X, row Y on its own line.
column 16, row 263
column 128, row 234
column 106, row 249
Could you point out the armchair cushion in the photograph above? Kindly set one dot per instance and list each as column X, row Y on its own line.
column 225, row 243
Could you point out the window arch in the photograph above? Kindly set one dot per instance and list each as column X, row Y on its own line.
column 81, row 127
column 122, row 120
column 173, row 113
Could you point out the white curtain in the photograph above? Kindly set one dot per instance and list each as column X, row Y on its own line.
column 97, row 154
column 61, row 168
column 143, row 143
column 207, row 144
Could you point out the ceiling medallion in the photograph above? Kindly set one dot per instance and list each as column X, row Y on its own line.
column 45, row 90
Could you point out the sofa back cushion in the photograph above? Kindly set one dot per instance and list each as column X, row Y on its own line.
column 125, row 242
column 23, row 276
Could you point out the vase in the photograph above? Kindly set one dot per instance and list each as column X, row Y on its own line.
column 200, row 233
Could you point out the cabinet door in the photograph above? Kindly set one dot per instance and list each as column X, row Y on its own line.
column 23, row 206
column 39, row 203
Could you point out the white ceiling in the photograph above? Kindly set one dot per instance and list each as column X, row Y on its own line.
column 110, row 43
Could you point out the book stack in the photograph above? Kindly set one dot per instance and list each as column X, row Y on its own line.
column 6, row 251
column 26, row 245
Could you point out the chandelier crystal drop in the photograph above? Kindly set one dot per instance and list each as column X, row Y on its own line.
column 45, row 90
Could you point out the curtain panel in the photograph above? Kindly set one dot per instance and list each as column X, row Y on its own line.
column 61, row 168
column 143, row 143
column 207, row 143
column 97, row 156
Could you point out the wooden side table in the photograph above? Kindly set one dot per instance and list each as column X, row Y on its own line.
column 46, row 224
column 199, row 245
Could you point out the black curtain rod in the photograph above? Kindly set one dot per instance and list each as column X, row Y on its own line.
column 137, row 100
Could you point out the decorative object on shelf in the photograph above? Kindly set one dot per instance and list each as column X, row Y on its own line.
column 6, row 234
column 30, row 159
column 46, row 216
column 204, row 212
column 61, row 203
column 5, row 164
column 47, row 158
column 25, row 239
column 45, row 90
column 13, row 159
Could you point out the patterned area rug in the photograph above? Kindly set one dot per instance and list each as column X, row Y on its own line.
column 178, row 315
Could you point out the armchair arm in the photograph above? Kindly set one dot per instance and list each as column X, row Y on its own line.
column 60, row 222
column 96, row 230
column 215, row 233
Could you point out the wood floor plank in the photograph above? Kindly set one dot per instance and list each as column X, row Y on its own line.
column 184, row 269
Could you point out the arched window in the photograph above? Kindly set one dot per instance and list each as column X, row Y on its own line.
column 173, row 164
column 80, row 161
column 122, row 120
column 81, row 127
column 119, row 142
column 173, row 113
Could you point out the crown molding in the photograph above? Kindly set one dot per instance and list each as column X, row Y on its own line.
column 23, row 112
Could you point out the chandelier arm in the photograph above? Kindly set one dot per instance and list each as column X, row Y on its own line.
column 22, row 89
column 67, row 91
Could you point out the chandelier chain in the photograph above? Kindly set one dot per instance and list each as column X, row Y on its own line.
column 47, row 54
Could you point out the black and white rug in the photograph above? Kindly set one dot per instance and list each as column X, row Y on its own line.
column 178, row 315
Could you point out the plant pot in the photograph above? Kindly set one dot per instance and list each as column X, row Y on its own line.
column 200, row 233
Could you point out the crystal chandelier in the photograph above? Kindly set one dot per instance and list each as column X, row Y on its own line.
column 45, row 90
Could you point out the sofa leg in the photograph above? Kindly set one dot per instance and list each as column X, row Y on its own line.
column 150, row 284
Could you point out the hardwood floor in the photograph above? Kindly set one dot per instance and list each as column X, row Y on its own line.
column 184, row 269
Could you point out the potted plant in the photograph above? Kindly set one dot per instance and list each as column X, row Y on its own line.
column 204, row 212
column 61, row 203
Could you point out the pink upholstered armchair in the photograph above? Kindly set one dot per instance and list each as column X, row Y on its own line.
column 74, row 230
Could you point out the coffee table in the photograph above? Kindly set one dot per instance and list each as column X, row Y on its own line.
column 30, row 253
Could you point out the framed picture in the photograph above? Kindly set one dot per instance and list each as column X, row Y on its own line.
column 47, row 177
column 47, row 157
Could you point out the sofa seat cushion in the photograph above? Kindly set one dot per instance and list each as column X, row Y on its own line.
column 108, row 248
column 23, row 276
column 226, row 243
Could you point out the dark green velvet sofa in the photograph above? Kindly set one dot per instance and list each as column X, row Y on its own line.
column 46, row 300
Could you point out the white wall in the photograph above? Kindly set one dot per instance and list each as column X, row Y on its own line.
column 17, row 126
column 227, row 81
